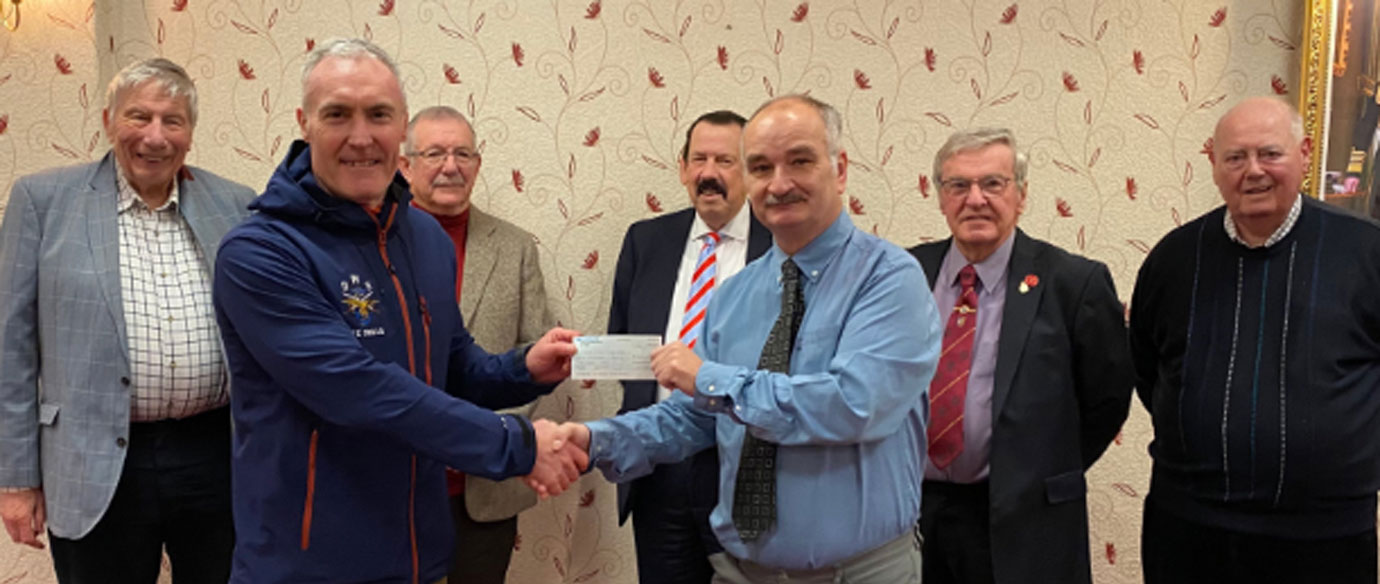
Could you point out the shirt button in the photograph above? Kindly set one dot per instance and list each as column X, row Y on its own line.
column 120, row 442
column 124, row 381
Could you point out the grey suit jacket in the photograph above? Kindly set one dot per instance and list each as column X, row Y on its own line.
column 503, row 302
column 64, row 395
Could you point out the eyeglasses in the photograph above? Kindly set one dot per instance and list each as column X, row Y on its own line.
column 991, row 185
column 438, row 156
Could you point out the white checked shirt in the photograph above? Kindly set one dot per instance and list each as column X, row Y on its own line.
column 1283, row 229
column 176, row 366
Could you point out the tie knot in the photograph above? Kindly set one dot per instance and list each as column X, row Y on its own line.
column 790, row 273
column 967, row 277
column 711, row 239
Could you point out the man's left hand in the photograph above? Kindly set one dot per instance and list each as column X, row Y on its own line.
column 548, row 361
column 675, row 366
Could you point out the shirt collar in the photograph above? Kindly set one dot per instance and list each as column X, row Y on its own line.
column 736, row 229
column 1280, row 233
column 991, row 270
column 815, row 257
column 128, row 198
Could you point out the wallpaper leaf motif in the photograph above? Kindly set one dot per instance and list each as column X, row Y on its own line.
column 580, row 109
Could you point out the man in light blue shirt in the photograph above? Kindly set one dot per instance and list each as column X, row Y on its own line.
column 845, row 425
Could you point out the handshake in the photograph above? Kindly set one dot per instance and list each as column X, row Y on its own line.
column 562, row 455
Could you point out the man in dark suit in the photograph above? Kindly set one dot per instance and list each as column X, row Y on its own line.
column 656, row 271
column 1033, row 384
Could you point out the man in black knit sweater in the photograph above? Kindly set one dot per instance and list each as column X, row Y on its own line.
column 1255, row 331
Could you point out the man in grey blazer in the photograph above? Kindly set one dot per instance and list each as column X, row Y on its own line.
column 114, row 430
column 503, row 304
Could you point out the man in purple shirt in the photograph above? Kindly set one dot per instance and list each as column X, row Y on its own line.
column 1034, row 380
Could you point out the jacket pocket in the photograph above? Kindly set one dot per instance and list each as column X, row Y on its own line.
column 1065, row 487
column 47, row 414
column 310, row 499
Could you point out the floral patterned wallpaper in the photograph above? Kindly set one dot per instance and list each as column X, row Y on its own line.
column 580, row 107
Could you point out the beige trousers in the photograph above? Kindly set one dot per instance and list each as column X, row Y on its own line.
column 895, row 562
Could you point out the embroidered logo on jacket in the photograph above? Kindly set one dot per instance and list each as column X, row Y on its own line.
column 360, row 305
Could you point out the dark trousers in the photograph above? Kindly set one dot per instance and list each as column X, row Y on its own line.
column 957, row 533
column 482, row 549
column 670, row 514
column 1178, row 551
column 174, row 491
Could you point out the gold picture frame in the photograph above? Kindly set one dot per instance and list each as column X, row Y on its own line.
column 1339, row 99
column 1313, row 82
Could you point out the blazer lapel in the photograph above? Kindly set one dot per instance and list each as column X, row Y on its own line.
column 204, row 215
column 103, row 236
column 931, row 256
column 759, row 239
column 1016, row 319
column 480, row 259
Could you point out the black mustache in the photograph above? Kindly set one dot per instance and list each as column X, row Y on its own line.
column 710, row 185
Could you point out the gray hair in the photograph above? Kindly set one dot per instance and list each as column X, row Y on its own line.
column 435, row 112
column 833, row 122
column 977, row 139
column 170, row 76
column 352, row 48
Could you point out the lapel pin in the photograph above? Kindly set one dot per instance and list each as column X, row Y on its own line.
column 1030, row 281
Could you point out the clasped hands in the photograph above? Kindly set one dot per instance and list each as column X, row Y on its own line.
column 562, row 455
column 563, row 449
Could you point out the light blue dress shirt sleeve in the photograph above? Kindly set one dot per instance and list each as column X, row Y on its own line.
column 628, row 446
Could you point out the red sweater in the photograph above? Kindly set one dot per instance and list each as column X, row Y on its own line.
column 457, row 227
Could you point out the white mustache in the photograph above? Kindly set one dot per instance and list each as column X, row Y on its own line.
column 446, row 182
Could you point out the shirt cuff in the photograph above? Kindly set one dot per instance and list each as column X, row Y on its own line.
column 600, row 441
column 715, row 387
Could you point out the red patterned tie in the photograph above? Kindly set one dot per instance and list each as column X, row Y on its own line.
column 701, row 290
column 949, row 389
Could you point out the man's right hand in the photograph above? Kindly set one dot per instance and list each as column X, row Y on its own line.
column 24, row 515
column 558, row 463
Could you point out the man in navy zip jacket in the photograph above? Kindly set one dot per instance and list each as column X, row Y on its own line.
column 335, row 301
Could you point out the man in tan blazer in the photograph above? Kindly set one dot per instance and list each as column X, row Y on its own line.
column 503, row 303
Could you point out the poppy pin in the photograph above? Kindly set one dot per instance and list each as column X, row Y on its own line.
column 1030, row 281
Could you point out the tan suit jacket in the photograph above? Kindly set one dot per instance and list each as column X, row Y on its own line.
column 503, row 302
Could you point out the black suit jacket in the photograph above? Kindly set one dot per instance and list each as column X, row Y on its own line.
column 642, row 289
column 1061, row 391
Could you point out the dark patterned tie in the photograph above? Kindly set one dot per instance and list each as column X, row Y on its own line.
column 754, row 489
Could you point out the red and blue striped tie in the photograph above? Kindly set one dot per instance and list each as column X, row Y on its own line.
column 701, row 290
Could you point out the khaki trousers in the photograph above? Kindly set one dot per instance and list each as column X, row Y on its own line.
column 895, row 562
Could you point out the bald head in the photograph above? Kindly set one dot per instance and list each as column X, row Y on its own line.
column 1267, row 106
column 1259, row 159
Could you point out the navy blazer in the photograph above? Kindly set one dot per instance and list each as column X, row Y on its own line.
column 1061, row 390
